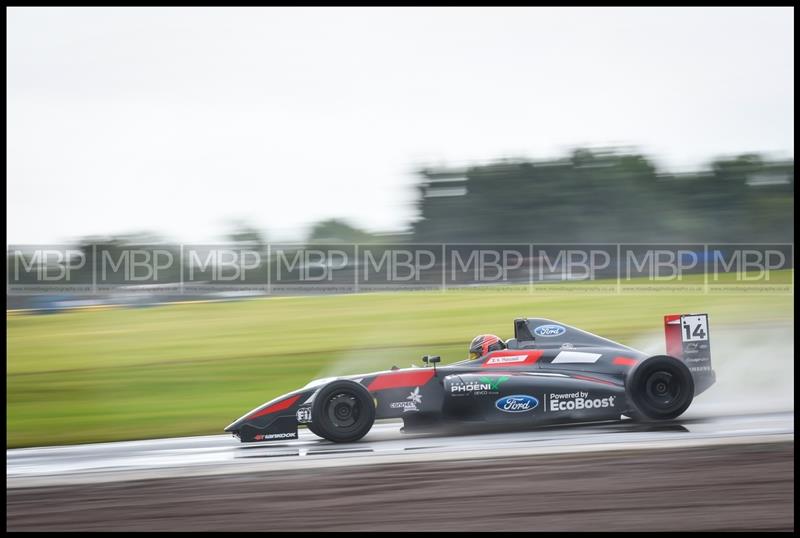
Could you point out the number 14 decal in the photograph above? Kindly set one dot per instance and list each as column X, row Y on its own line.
column 694, row 328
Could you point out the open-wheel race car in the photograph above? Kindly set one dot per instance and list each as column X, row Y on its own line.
column 548, row 373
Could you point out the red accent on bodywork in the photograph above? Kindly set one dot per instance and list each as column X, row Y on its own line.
column 624, row 361
column 594, row 379
column 279, row 406
column 672, row 334
column 400, row 379
column 532, row 357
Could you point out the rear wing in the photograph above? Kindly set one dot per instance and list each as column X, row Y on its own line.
column 687, row 339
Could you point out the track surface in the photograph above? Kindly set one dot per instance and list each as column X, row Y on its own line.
column 732, row 487
column 702, row 473
column 221, row 454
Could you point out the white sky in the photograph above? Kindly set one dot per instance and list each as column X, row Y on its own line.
column 178, row 120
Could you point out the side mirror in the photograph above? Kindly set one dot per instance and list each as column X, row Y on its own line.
column 432, row 360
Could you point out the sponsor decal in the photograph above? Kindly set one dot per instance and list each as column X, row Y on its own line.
column 507, row 360
column 495, row 382
column 268, row 436
column 549, row 330
column 304, row 414
column 519, row 403
column 484, row 385
column 576, row 401
column 412, row 401
column 576, row 356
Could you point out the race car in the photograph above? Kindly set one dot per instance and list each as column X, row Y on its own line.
column 548, row 373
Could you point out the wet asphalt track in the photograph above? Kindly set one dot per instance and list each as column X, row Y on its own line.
column 222, row 454
column 727, row 464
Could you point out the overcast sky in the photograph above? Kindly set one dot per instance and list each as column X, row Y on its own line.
column 178, row 120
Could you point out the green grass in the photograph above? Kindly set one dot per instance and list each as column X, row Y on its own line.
column 192, row 368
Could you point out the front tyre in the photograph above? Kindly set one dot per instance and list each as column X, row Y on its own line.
column 660, row 388
column 312, row 429
column 343, row 411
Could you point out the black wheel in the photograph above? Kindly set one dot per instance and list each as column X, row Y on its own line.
column 633, row 414
column 313, row 430
column 343, row 411
column 659, row 388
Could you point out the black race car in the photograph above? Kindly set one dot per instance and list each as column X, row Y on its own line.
column 548, row 373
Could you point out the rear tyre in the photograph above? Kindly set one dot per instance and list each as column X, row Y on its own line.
column 634, row 415
column 343, row 411
column 660, row 388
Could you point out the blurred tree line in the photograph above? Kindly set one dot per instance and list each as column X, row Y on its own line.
column 607, row 196
column 591, row 196
column 588, row 196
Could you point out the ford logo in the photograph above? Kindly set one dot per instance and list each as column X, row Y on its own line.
column 518, row 403
column 549, row 330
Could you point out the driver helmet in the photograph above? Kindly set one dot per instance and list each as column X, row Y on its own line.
column 483, row 344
